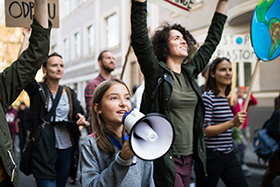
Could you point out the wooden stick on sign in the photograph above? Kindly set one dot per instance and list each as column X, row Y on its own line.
column 251, row 85
column 233, row 83
column 125, row 61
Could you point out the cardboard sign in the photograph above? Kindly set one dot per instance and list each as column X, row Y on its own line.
column 19, row 12
column 181, row 7
column 237, row 48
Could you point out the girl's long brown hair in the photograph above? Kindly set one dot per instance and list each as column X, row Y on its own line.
column 102, row 133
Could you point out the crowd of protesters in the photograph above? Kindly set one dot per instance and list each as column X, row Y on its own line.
column 202, row 116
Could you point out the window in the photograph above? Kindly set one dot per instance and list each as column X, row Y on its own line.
column 76, row 3
column 247, row 73
column 90, row 34
column 66, row 50
column 243, row 74
column 77, row 45
column 65, row 11
column 112, row 31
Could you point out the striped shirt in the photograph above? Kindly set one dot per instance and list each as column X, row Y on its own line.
column 217, row 111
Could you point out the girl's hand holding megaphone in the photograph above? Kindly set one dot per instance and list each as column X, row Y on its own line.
column 126, row 152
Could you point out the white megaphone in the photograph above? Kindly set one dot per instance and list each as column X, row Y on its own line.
column 150, row 136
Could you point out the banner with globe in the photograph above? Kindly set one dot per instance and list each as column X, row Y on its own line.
column 265, row 35
column 265, row 29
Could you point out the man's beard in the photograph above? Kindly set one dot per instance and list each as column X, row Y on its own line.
column 108, row 68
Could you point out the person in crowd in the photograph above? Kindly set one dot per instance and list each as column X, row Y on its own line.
column 204, row 73
column 23, row 126
column 106, row 63
column 12, row 81
column 74, row 135
column 221, row 159
column 57, row 148
column 106, row 156
column 11, row 117
column 273, row 130
column 171, row 89
column 240, row 146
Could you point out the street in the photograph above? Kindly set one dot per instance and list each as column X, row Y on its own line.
column 256, row 169
column 253, row 181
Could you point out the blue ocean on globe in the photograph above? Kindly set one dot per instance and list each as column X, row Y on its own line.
column 260, row 35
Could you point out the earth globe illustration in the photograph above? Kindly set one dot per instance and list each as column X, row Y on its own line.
column 265, row 29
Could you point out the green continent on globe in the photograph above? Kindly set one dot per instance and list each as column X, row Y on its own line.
column 274, row 31
column 262, row 8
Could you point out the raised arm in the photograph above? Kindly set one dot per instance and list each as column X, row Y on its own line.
column 26, row 34
column 222, row 6
column 22, row 71
column 140, row 40
column 212, row 40
column 41, row 12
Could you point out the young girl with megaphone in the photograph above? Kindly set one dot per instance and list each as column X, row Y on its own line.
column 106, row 156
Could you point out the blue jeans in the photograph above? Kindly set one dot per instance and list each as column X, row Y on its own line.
column 219, row 165
column 62, row 167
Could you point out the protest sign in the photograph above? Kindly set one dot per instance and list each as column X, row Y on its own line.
column 19, row 12
column 236, row 47
column 181, row 7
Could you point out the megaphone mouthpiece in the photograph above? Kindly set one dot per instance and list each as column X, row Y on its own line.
column 150, row 136
column 144, row 131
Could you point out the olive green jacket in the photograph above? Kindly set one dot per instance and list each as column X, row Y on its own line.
column 164, row 167
column 12, row 81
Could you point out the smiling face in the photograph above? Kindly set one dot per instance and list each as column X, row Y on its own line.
column 54, row 68
column 177, row 45
column 223, row 74
column 114, row 104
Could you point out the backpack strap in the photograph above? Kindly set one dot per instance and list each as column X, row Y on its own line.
column 43, row 90
column 54, row 104
column 165, row 76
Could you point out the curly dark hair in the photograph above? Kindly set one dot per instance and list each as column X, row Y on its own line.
column 211, row 82
column 160, row 41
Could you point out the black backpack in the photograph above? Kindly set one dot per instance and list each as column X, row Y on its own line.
column 265, row 146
